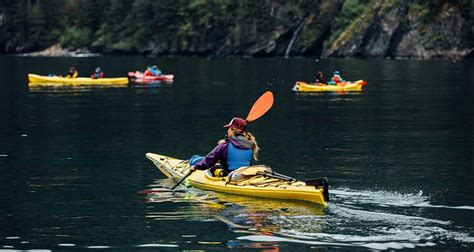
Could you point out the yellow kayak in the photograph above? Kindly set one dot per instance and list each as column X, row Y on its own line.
column 259, row 184
column 34, row 79
column 302, row 86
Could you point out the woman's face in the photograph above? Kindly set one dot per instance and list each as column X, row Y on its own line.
column 230, row 132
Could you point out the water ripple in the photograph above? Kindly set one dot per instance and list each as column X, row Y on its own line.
column 354, row 218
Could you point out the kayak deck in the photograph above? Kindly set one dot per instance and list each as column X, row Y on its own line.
column 256, row 186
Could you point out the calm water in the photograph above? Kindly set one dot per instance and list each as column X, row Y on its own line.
column 399, row 156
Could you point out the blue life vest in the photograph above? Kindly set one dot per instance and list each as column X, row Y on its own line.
column 237, row 158
column 155, row 71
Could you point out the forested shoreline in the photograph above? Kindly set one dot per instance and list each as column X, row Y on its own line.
column 268, row 28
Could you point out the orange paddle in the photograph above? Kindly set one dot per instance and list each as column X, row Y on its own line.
column 260, row 107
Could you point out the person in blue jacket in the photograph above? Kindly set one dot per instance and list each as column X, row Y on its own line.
column 98, row 73
column 235, row 151
column 155, row 70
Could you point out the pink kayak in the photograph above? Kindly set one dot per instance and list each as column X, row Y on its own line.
column 139, row 77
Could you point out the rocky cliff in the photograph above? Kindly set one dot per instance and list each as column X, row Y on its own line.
column 399, row 29
column 266, row 28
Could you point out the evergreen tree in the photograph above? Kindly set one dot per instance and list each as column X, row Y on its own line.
column 112, row 28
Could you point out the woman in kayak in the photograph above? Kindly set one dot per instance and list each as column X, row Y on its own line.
column 235, row 151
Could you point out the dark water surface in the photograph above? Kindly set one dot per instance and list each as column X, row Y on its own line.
column 399, row 156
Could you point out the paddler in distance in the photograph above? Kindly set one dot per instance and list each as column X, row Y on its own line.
column 72, row 73
column 319, row 79
column 336, row 78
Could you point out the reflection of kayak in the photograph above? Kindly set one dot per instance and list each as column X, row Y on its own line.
column 301, row 86
column 35, row 79
column 139, row 77
column 267, row 185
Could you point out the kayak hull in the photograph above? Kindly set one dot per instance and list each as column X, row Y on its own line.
column 34, row 79
column 297, row 190
column 139, row 77
column 301, row 86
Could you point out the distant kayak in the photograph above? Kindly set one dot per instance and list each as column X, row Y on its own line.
column 34, row 79
column 302, row 86
column 141, row 78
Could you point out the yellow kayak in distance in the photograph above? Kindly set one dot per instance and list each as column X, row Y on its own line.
column 261, row 184
column 302, row 86
column 36, row 80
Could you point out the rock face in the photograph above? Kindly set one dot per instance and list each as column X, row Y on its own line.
column 267, row 28
column 371, row 34
column 447, row 36
column 397, row 30
column 57, row 51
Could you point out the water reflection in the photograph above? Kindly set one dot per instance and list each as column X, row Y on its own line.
column 386, row 220
column 328, row 93
column 75, row 88
column 241, row 211
column 243, row 215
column 54, row 88
column 150, row 82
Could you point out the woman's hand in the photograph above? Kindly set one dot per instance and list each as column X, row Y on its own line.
column 222, row 141
column 192, row 168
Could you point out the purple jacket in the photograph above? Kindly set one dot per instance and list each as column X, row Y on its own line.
column 219, row 154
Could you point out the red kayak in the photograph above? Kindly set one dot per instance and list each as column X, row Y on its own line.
column 139, row 77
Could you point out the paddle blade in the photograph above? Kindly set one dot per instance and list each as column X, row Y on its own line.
column 261, row 106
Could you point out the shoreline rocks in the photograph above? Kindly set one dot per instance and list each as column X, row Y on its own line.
column 57, row 51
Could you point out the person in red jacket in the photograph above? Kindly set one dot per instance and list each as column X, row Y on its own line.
column 148, row 72
column 336, row 78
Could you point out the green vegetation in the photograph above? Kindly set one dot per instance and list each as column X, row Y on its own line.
column 75, row 37
column 419, row 10
column 204, row 27
column 351, row 10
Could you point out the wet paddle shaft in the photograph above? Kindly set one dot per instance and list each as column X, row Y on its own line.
column 259, row 108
